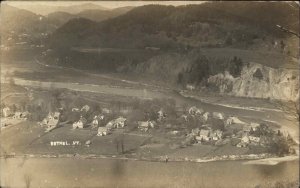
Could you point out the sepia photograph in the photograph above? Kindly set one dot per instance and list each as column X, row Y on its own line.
column 149, row 94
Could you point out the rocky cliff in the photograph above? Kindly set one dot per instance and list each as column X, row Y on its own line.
column 259, row 81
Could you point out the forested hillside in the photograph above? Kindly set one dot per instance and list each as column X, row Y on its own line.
column 182, row 45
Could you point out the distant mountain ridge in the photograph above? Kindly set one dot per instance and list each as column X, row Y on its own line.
column 60, row 17
column 188, row 45
column 212, row 23
column 44, row 9
column 18, row 21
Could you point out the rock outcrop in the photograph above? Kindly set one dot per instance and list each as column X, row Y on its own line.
column 259, row 81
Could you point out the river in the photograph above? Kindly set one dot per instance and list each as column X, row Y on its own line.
column 71, row 172
column 272, row 116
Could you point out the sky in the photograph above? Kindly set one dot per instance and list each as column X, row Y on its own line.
column 107, row 4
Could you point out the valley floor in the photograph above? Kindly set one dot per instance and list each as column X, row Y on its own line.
column 36, row 74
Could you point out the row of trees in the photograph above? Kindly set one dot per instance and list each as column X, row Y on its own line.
column 202, row 68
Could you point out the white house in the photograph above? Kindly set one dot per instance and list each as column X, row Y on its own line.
column 245, row 138
column 242, row 145
column 21, row 115
column 161, row 115
column 254, row 126
column 96, row 120
column 81, row 123
column 75, row 110
column 85, row 108
column 17, row 115
column 116, row 123
column 103, row 131
column 204, row 135
column 6, row 112
column 120, row 122
column 190, row 87
column 218, row 115
column 234, row 120
column 195, row 111
column 254, row 139
column 206, row 115
column 216, row 135
column 145, row 125
column 195, row 132
column 192, row 110
column 51, row 121
column 199, row 111
column 106, row 110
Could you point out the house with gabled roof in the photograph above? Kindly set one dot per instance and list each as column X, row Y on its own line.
column 145, row 125
column 81, row 123
column 6, row 112
column 103, row 131
column 120, row 122
column 204, row 135
column 96, row 120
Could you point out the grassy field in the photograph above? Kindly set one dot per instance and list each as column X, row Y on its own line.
column 30, row 138
column 17, row 138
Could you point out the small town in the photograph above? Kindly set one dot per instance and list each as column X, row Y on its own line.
column 148, row 94
column 141, row 128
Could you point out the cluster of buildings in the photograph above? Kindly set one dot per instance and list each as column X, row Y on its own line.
column 146, row 125
column 206, row 132
column 244, row 134
column 52, row 121
column 10, row 117
column 117, row 123
column 8, row 113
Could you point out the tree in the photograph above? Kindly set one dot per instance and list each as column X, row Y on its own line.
column 235, row 66
column 251, row 131
column 119, row 143
column 282, row 45
column 180, row 78
column 258, row 74
column 280, row 146
column 217, row 124
column 228, row 40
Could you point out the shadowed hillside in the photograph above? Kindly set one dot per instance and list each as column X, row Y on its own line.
column 208, row 24
column 187, row 45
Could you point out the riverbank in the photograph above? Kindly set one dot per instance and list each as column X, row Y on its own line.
column 265, row 158
column 238, row 103
column 274, row 114
column 42, row 147
column 77, row 172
